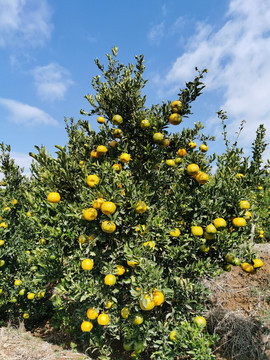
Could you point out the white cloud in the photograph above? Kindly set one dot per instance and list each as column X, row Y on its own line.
column 24, row 22
column 237, row 56
column 51, row 81
column 25, row 114
column 22, row 159
column 156, row 33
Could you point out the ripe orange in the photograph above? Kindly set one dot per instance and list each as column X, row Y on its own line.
column 90, row 214
column 149, row 303
column 239, row 176
column 124, row 158
column 103, row 319
column 86, row 326
column 132, row 263
column 125, row 312
column 244, row 204
column 53, row 197
column 101, row 150
column 30, row 296
column 108, row 227
column 257, row 263
column 196, row 230
column 97, row 203
column 176, row 106
column 140, row 207
column 158, row 137
column 14, row 202
column 110, row 280
column 239, row 222
column 175, row 232
column 158, row 297
column 108, row 208
column 165, row 143
column 192, row 145
column 87, row 264
column 203, row 148
column 109, row 304
column 92, row 180
column 248, row 268
column 192, row 169
column 138, row 320
column 92, row 313
column 247, row 215
column 2, row 242
column 210, row 229
column 151, row 244
column 113, row 143
column 220, row 223
column 94, row 154
column 17, row 282
column 26, row 316
column 120, row 270
column 182, row 152
column 117, row 120
column 202, row 178
column 117, row 167
column 145, row 124
column 173, row 335
column 200, row 321
column 170, row 163
column 175, row 119
column 118, row 133
column 101, row 120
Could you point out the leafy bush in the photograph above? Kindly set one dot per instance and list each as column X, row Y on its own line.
column 125, row 241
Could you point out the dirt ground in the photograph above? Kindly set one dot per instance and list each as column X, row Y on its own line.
column 239, row 312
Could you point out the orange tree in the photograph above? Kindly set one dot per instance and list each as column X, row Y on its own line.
column 114, row 233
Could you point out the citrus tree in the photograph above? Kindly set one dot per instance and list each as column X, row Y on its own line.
column 112, row 235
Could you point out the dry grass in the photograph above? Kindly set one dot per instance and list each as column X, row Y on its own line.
column 241, row 337
column 17, row 344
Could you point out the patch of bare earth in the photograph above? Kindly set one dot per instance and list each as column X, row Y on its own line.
column 239, row 312
column 17, row 344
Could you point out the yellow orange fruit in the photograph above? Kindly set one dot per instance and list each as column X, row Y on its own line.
column 87, row 264
column 117, row 119
column 101, row 150
column 103, row 319
column 92, row 313
column 220, row 223
column 97, row 203
column 196, row 230
column 53, row 197
column 110, row 280
column 92, row 180
column 175, row 119
column 244, row 204
column 203, row 148
column 193, row 169
column 176, row 106
column 239, row 222
column 145, row 124
column 202, row 178
column 182, row 152
column 101, row 120
column 158, row 297
column 125, row 158
column 108, row 227
column 140, row 207
column 90, row 214
column 175, row 232
column 192, row 145
column 86, row 326
column 108, row 208
column 149, row 303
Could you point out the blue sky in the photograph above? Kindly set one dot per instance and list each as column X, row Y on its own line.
column 48, row 49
